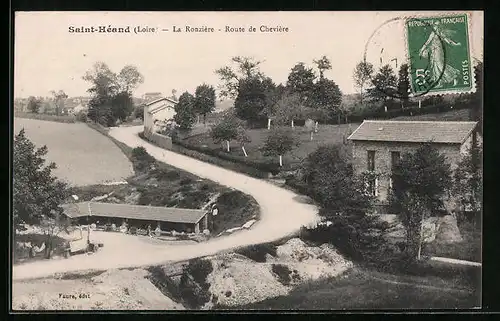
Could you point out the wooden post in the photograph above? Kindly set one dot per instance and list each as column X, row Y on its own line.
column 281, row 161
column 227, row 144
column 244, row 151
column 268, row 123
column 293, row 124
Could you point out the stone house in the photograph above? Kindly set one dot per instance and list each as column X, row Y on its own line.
column 378, row 144
column 159, row 110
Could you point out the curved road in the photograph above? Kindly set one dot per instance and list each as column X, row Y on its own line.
column 282, row 213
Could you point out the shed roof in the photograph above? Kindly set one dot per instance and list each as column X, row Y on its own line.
column 138, row 212
column 448, row 132
column 160, row 99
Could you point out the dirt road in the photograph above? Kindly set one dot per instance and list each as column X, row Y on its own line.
column 282, row 213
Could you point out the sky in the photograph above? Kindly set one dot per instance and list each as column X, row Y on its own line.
column 48, row 57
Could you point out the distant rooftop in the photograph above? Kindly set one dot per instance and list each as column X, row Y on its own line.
column 448, row 132
column 138, row 212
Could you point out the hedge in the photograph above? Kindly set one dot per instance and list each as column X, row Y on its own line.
column 46, row 117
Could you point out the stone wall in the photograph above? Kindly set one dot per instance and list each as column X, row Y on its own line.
column 383, row 160
column 159, row 140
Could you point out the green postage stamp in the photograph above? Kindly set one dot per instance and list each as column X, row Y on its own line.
column 439, row 54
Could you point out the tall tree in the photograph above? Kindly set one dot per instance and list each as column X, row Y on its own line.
column 420, row 181
column 327, row 98
column 385, row 85
column 34, row 105
column 129, row 78
column 226, row 130
column 289, row 108
column 37, row 193
column 59, row 100
column 204, row 100
column 362, row 74
column 301, row 82
column 323, row 64
column 104, row 82
column 403, row 84
column 252, row 98
column 231, row 77
column 185, row 115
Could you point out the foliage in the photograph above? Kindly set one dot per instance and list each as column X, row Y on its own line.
column 111, row 93
column 258, row 252
column 420, row 180
column 185, row 111
column 59, row 98
column 279, row 142
column 141, row 159
column 225, row 130
column 322, row 64
column 288, row 108
column 34, row 104
column 253, row 97
column 333, row 183
column 204, row 100
column 403, row 83
column 139, row 112
column 231, row 78
column 283, row 273
column 37, row 194
column 385, row 82
column 361, row 75
column 199, row 269
column 301, row 81
column 358, row 237
column 326, row 97
column 192, row 294
column 467, row 180
column 242, row 137
column 81, row 116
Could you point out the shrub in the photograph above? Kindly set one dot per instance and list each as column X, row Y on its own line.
column 163, row 174
column 186, row 181
column 81, row 117
column 283, row 273
column 199, row 269
column 258, row 252
column 141, row 159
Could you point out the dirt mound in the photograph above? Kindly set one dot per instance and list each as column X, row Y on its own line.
column 113, row 290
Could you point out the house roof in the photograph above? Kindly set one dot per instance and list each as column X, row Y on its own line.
column 160, row 99
column 448, row 132
column 138, row 212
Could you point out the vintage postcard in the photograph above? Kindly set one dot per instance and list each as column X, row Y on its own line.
column 247, row 160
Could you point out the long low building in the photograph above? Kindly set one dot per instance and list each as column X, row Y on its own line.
column 168, row 218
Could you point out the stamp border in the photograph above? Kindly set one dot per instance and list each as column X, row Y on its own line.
column 473, row 62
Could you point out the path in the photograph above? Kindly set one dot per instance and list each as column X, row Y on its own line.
column 282, row 213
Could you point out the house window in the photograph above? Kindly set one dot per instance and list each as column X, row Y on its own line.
column 371, row 160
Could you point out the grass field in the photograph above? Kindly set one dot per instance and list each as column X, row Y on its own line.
column 82, row 155
column 327, row 134
column 359, row 289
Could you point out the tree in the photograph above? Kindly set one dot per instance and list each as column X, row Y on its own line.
column 279, row 142
column 301, row 82
column 34, row 105
column 270, row 109
column 467, row 181
column 129, row 78
column 362, row 74
column 403, row 84
column 104, row 81
column 225, row 131
column 246, row 68
column 37, row 194
column 420, row 180
column 204, row 100
column 323, row 64
column 185, row 115
column 385, row 84
column 59, row 99
column 122, row 105
column 333, row 183
column 475, row 112
column 253, row 98
column 243, row 138
column 327, row 98
column 289, row 108
column 139, row 112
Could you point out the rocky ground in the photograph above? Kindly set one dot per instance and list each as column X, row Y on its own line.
column 234, row 280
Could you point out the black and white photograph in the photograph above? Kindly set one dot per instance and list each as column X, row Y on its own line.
column 228, row 161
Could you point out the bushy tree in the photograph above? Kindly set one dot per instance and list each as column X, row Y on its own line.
column 403, row 84
column 253, row 98
column 322, row 64
column 142, row 160
column 204, row 100
column 279, row 142
column 327, row 98
column 185, row 115
column 34, row 105
column 139, row 112
column 246, row 68
column 301, row 81
column 226, row 130
column 333, row 183
column 420, row 182
column 289, row 108
column 361, row 75
column 243, row 138
column 59, row 100
column 385, row 85
column 467, row 181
